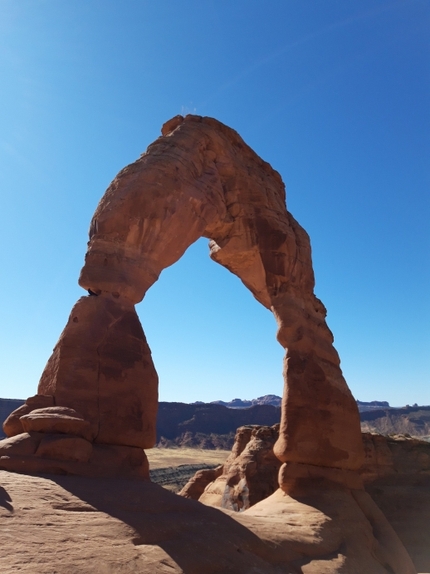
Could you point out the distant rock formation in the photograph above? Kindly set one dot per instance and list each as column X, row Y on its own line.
column 364, row 406
column 213, row 426
column 276, row 401
column 208, row 425
column 273, row 400
column 412, row 420
column 250, row 473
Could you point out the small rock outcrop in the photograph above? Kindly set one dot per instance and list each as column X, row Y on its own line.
column 250, row 473
column 58, row 440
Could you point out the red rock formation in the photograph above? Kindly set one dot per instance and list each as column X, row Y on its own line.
column 102, row 367
column 13, row 425
column 66, row 453
column 250, row 473
column 198, row 483
column 200, row 179
column 120, row 525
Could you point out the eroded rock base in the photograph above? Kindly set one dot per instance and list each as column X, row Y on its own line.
column 120, row 525
column 327, row 530
column 58, row 440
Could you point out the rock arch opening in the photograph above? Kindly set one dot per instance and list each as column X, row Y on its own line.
column 210, row 339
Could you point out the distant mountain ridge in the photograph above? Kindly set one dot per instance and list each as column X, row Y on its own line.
column 213, row 425
column 273, row 400
column 276, row 401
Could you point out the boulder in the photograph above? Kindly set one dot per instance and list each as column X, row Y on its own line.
column 35, row 453
column 250, row 473
column 24, row 444
column 13, row 426
column 57, row 420
column 197, row 484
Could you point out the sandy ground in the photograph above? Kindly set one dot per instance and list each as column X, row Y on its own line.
column 166, row 457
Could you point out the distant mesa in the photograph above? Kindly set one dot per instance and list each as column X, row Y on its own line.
column 276, row 401
column 273, row 400
column 213, row 425
column 364, row 406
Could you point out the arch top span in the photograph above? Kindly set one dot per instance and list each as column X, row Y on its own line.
column 198, row 179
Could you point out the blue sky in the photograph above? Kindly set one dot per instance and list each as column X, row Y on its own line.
column 333, row 93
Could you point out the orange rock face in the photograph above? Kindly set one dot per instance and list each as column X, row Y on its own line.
column 250, row 473
column 199, row 179
column 102, row 367
column 57, row 420
column 13, row 425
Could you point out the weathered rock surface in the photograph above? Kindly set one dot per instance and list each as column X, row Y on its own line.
column 250, row 473
column 57, row 420
column 65, row 448
column 41, row 453
column 58, row 440
column 119, row 525
column 334, row 529
column 397, row 476
column 13, row 425
column 102, row 367
column 399, row 456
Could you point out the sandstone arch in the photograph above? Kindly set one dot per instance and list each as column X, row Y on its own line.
column 200, row 179
column 97, row 398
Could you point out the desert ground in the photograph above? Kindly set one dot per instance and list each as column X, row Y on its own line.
column 172, row 468
column 168, row 457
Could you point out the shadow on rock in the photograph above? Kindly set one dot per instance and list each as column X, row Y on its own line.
column 5, row 499
column 196, row 537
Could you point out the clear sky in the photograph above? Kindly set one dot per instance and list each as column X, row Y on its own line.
column 333, row 93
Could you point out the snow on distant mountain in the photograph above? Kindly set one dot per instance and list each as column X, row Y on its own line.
column 275, row 401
